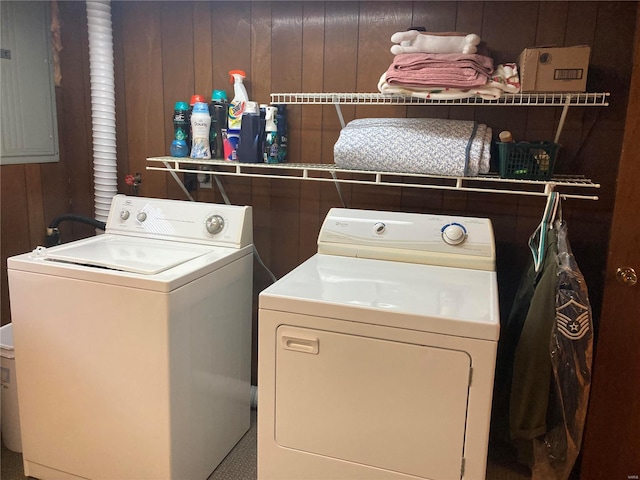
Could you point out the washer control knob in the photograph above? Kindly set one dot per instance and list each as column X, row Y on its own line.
column 124, row 214
column 454, row 233
column 215, row 224
column 141, row 216
column 379, row 228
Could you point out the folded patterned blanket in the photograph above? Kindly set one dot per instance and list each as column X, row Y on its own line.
column 415, row 145
column 456, row 70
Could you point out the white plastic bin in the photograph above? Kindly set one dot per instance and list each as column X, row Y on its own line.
column 9, row 414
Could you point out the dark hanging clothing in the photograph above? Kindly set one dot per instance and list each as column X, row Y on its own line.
column 531, row 364
column 545, row 358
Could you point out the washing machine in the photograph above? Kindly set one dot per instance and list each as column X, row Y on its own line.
column 377, row 354
column 133, row 348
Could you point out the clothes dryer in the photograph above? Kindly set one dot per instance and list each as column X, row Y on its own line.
column 377, row 355
column 134, row 347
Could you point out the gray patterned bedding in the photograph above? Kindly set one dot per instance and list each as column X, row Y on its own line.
column 415, row 145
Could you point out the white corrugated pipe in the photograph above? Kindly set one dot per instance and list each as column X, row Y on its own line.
column 103, row 105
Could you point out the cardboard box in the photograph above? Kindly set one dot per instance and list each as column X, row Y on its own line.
column 554, row 69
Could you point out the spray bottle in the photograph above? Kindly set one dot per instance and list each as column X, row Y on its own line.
column 240, row 98
column 281, row 123
column 270, row 154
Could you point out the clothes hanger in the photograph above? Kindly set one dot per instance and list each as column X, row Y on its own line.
column 538, row 239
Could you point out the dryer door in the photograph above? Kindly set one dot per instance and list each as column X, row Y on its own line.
column 385, row 404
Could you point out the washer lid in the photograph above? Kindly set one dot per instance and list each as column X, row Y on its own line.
column 453, row 301
column 127, row 254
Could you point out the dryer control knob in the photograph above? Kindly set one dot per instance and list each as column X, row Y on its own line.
column 124, row 214
column 454, row 233
column 215, row 224
column 141, row 216
column 379, row 228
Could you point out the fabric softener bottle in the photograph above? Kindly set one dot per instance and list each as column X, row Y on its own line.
column 200, row 125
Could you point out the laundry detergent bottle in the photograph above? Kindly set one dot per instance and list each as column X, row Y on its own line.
column 250, row 146
column 219, row 110
column 240, row 98
column 181, row 129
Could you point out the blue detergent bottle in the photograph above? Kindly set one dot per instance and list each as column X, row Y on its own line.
column 179, row 146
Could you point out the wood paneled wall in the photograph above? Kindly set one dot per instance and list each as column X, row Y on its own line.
column 167, row 51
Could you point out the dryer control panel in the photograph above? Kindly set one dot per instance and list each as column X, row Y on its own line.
column 193, row 222
column 451, row 241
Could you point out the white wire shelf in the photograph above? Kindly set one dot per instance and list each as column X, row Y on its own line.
column 569, row 186
column 509, row 99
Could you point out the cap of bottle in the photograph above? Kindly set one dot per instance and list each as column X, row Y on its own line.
column 181, row 106
column 197, row 98
column 218, row 95
column 200, row 107
column 505, row 136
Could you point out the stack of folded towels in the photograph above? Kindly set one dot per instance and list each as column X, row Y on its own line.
column 445, row 66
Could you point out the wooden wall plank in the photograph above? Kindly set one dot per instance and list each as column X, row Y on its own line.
column 339, row 75
column 286, row 74
column 75, row 169
column 14, row 225
column 35, row 204
column 142, row 34
column 202, row 48
column 180, row 54
column 311, row 216
column 122, row 143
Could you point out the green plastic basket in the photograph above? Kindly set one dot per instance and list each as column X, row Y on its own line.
column 527, row 160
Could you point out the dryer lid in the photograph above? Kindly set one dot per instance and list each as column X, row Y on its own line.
column 428, row 298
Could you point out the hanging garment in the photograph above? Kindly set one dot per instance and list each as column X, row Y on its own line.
column 549, row 337
column 531, row 362
column 522, row 384
column 571, row 350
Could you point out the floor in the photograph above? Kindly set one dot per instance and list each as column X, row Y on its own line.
column 240, row 464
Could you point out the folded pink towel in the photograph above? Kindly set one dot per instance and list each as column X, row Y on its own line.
column 455, row 70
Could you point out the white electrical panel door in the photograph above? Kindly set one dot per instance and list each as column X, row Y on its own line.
column 385, row 404
column 29, row 123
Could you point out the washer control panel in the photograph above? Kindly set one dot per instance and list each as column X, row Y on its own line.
column 409, row 237
column 196, row 222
